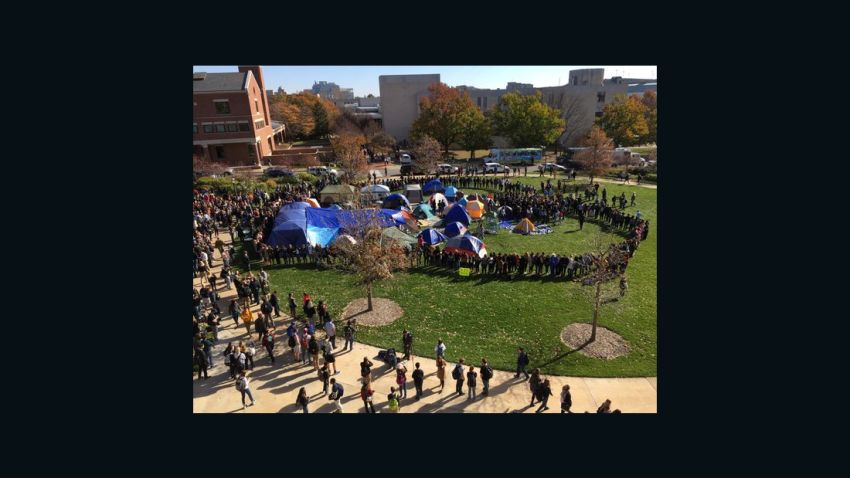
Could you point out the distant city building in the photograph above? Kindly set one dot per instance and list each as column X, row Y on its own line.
column 332, row 91
column 586, row 91
column 231, row 123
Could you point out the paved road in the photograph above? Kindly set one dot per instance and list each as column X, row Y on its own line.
column 276, row 386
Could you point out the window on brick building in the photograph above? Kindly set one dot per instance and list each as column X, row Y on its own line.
column 219, row 152
column 231, row 127
column 259, row 124
column 208, row 128
column 194, row 128
column 219, row 127
column 222, row 107
column 600, row 97
column 257, row 104
column 243, row 126
column 251, row 151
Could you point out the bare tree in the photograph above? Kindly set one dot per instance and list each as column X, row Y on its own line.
column 596, row 157
column 427, row 152
column 369, row 257
column 348, row 153
column 606, row 265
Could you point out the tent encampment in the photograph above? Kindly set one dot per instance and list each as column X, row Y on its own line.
column 462, row 201
column 413, row 192
column 475, row 209
column 450, row 193
column 457, row 213
column 288, row 232
column 525, row 226
column 397, row 235
column 395, row 201
column 454, row 229
column 437, row 197
column 467, row 244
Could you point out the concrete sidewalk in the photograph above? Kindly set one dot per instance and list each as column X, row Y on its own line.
column 275, row 387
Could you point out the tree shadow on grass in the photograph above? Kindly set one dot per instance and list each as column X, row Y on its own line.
column 563, row 355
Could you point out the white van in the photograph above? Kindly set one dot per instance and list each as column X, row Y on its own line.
column 495, row 168
column 404, row 159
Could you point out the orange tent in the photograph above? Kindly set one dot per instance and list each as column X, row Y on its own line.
column 475, row 209
column 312, row 202
column 525, row 226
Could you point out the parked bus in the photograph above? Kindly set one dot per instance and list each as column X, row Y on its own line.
column 513, row 156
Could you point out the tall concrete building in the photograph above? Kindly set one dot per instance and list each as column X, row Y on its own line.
column 581, row 100
column 400, row 96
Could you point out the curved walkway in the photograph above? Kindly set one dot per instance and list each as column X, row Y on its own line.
column 275, row 387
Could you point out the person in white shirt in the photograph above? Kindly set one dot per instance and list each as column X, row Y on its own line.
column 330, row 329
column 244, row 388
column 440, row 349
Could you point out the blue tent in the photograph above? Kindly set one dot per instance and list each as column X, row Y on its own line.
column 423, row 211
column 462, row 201
column 457, row 213
column 455, row 229
column 467, row 245
column 450, row 193
column 291, row 212
column 288, row 232
column 335, row 206
column 395, row 201
column 323, row 225
column 430, row 237
column 433, row 186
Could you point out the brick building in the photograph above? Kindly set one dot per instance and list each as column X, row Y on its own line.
column 231, row 123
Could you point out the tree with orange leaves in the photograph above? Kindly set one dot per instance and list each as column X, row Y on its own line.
column 442, row 115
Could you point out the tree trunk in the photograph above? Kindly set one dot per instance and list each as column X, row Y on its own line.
column 595, row 311
column 369, row 301
column 591, row 179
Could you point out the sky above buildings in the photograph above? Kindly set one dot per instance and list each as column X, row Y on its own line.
column 364, row 79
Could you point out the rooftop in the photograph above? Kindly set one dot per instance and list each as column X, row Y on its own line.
column 203, row 82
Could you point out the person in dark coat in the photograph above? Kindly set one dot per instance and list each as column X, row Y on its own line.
column 521, row 363
column 418, row 380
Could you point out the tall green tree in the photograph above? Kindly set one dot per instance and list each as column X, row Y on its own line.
column 527, row 121
column 624, row 120
column 442, row 115
column 477, row 133
column 320, row 119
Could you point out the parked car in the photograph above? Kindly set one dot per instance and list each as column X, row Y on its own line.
column 496, row 168
column 322, row 171
column 278, row 172
column 405, row 159
column 406, row 169
column 446, row 169
column 557, row 167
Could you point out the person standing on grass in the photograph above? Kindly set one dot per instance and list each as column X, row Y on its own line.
column 302, row 399
column 268, row 343
column 545, row 391
column 634, row 198
column 418, row 380
column 366, row 370
column 401, row 379
column 330, row 329
column 566, row 399
column 457, row 374
column 243, row 386
column 534, row 385
column 521, row 362
column 366, row 393
column 471, row 382
column 441, row 372
column 440, row 349
column 313, row 347
column 336, row 394
column 486, row 375
column 324, row 377
column 291, row 301
column 349, row 336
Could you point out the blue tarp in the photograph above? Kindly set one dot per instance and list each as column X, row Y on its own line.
column 325, row 224
column 463, row 202
column 433, row 186
column 457, row 213
column 291, row 212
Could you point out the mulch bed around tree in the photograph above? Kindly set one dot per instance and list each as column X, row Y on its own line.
column 384, row 312
column 608, row 345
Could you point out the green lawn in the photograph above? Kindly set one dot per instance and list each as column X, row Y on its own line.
column 480, row 316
